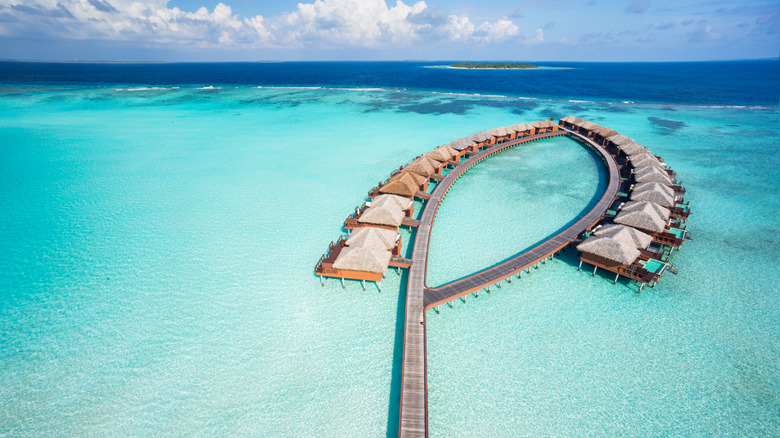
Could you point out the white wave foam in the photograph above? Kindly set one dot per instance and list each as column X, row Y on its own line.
column 210, row 87
column 147, row 89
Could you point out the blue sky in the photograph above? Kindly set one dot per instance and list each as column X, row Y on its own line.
column 246, row 30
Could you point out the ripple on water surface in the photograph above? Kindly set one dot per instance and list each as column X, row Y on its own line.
column 510, row 202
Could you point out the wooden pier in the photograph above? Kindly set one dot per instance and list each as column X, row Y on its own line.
column 413, row 414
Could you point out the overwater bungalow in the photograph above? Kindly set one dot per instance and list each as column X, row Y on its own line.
column 389, row 217
column 652, row 192
column 653, row 219
column 570, row 122
column 618, row 253
column 587, row 128
column 404, row 203
column 499, row 135
column 543, row 126
column 404, row 183
column 600, row 135
column 523, row 130
column 375, row 238
column 424, row 166
column 446, row 155
column 361, row 263
column 652, row 174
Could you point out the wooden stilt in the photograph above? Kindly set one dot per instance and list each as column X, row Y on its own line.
column 616, row 278
column 580, row 266
column 463, row 298
column 379, row 285
column 594, row 270
column 641, row 287
column 364, row 284
column 436, row 309
column 498, row 284
column 342, row 284
column 450, row 303
column 322, row 280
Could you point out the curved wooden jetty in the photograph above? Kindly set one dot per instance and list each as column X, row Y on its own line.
column 419, row 298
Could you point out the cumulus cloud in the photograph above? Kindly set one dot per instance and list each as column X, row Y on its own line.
column 321, row 23
column 705, row 32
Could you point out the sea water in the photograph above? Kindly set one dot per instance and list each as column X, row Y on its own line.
column 158, row 247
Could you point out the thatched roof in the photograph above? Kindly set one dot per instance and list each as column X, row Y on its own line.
column 605, row 132
column 404, row 184
column 645, row 219
column 625, row 234
column 654, row 196
column 610, row 249
column 418, row 180
column 498, row 132
column 521, row 127
column 543, row 124
column 590, row 126
column 388, row 215
column 645, row 160
column 568, row 119
column 482, row 136
column 619, row 139
column 442, row 153
column 641, row 187
column 662, row 212
column 652, row 174
column 363, row 259
column 374, row 238
column 392, row 200
column 631, row 148
column 423, row 166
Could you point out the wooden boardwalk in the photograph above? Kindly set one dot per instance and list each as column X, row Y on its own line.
column 414, row 383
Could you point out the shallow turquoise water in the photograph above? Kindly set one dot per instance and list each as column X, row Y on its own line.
column 156, row 273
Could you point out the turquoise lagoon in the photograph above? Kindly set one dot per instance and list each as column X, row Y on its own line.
column 157, row 248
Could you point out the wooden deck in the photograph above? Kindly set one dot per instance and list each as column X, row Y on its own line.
column 413, row 415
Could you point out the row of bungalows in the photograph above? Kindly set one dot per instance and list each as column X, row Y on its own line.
column 373, row 243
column 649, row 220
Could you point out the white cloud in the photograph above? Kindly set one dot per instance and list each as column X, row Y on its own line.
column 323, row 23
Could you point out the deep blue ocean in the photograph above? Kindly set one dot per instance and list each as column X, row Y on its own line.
column 739, row 83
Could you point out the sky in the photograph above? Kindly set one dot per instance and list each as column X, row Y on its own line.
column 280, row 30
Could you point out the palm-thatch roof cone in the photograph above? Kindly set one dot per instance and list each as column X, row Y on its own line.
column 643, row 217
column 392, row 200
column 402, row 184
column 590, row 126
column 625, row 234
column 632, row 148
column 620, row 139
column 498, row 132
column 653, row 196
column 568, row 119
column 652, row 175
column 363, row 259
column 520, row 127
column 543, row 124
column 662, row 212
column 442, row 153
column 605, row 132
column 645, row 160
column 610, row 249
column 641, row 187
column 374, row 238
column 389, row 216
column 421, row 166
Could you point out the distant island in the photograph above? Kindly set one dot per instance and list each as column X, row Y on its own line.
column 492, row 65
